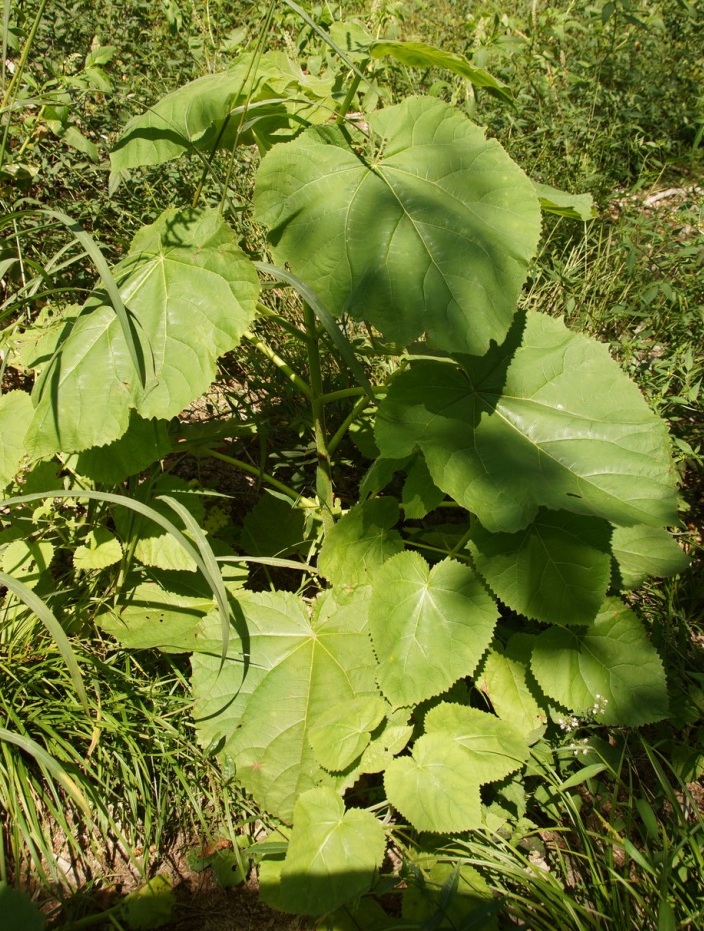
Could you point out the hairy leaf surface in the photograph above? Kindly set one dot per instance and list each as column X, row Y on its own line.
column 428, row 626
column 191, row 292
column 429, row 232
column 557, row 569
column 611, row 667
column 546, row 419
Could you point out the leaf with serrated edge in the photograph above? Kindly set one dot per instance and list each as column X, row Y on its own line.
column 333, row 854
column 191, row 292
column 610, row 666
column 15, row 414
column 547, row 419
column 641, row 552
column 296, row 666
column 360, row 542
column 428, row 626
column 437, row 788
column 420, row 493
column 27, row 560
column 557, row 569
column 503, row 680
column 431, row 233
column 343, row 732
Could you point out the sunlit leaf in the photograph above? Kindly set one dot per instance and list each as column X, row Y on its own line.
column 429, row 626
column 641, row 552
column 191, row 293
column 360, row 542
column 15, row 414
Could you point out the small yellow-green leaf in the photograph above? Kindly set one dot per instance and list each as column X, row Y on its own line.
column 27, row 560
column 100, row 550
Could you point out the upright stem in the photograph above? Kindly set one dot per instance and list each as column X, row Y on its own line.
column 323, row 478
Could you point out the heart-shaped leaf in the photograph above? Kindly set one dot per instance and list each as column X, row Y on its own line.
column 261, row 713
column 429, row 626
column 333, row 854
column 360, row 542
column 609, row 671
column 430, row 231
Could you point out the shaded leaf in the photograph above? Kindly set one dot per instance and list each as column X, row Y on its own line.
column 547, row 419
column 503, row 681
column 145, row 442
column 557, row 569
column 431, row 232
column 609, row 671
column 420, row 494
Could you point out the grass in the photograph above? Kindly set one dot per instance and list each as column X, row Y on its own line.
column 610, row 104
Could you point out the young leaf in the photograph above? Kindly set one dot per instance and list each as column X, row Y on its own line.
column 432, row 232
column 100, row 550
column 573, row 206
column 640, row 552
column 503, row 680
column 437, row 788
column 360, row 542
column 191, row 292
column 557, row 569
column 295, row 665
column 15, row 414
column 333, row 854
column 609, row 671
column 341, row 734
column 552, row 422
column 428, row 626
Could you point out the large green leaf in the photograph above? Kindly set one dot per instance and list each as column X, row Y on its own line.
column 15, row 413
column 360, row 542
column 437, row 788
column 640, row 552
column 145, row 442
column 428, row 626
column 557, row 569
column 546, row 419
column 191, row 292
column 333, row 854
column 207, row 113
column 297, row 665
column 609, row 671
column 429, row 232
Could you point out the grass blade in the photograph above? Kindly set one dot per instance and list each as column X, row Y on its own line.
column 48, row 619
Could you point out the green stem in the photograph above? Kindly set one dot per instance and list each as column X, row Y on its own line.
column 352, row 393
column 361, row 404
column 323, row 477
column 262, row 476
column 283, row 366
column 345, row 105
column 285, row 324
